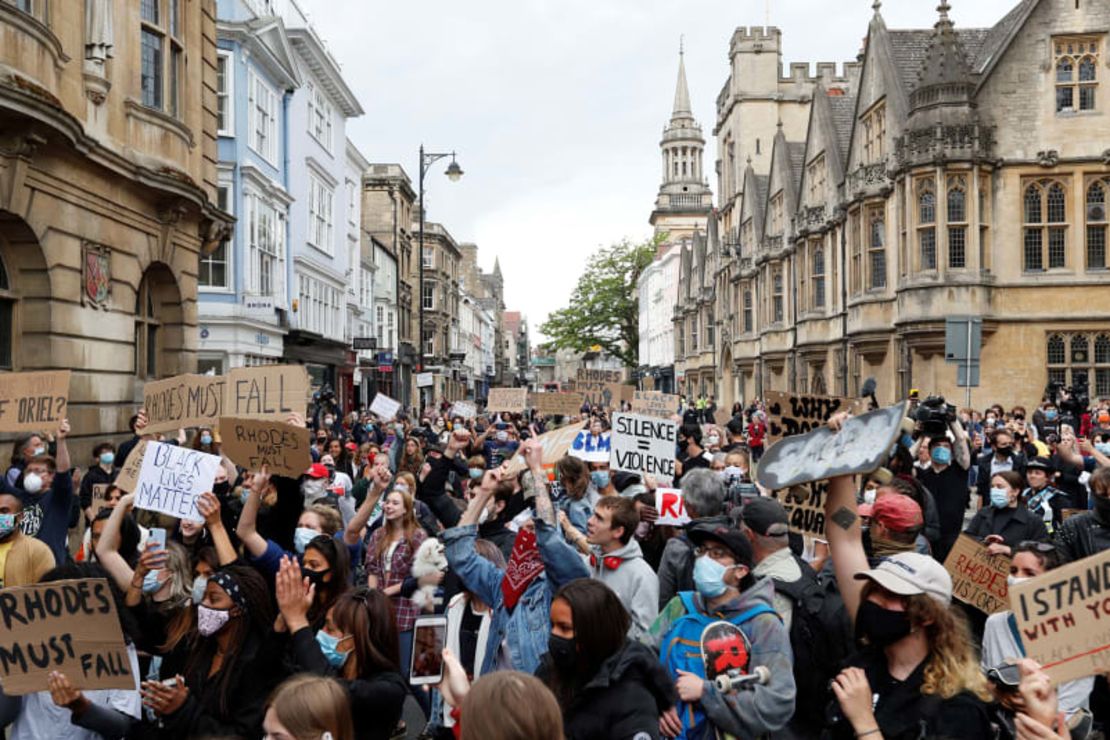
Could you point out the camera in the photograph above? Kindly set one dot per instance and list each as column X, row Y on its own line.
column 1071, row 400
column 934, row 415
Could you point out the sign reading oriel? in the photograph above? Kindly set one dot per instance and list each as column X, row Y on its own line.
column 33, row 402
column 643, row 444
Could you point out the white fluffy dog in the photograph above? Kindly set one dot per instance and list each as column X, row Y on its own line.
column 429, row 559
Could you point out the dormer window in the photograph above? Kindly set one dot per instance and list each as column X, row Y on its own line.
column 1076, row 68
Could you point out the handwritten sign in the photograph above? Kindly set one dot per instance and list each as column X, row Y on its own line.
column 654, row 403
column 128, row 476
column 183, row 401
column 805, row 508
column 67, row 626
column 252, row 443
column 602, row 388
column 556, row 404
column 671, row 507
column 99, row 497
column 1063, row 618
column 589, row 447
column 789, row 414
column 268, row 392
column 172, row 477
column 555, row 443
column 978, row 578
column 512, row 400
column 384, row 407
column 33, row 402
column 465, row 409
column 643, row 444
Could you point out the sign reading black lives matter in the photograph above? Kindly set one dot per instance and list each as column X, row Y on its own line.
column 643, row 444
column 66, row 626
column 172, row 477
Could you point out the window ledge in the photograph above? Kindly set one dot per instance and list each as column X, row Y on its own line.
column 319, row 249
column 36, row 29
column 155, row 117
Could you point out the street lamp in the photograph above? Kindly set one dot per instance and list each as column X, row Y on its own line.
column 454, row 172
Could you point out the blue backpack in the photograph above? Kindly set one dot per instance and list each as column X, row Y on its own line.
column 681, row 651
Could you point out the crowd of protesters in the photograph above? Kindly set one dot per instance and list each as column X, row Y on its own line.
column 289, row 611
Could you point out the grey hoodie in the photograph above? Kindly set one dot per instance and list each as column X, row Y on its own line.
column 634, row 583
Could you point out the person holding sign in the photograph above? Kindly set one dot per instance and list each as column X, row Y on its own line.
column 1005, row 521
column 100, row 473
column 47, row 491
column 23, row 559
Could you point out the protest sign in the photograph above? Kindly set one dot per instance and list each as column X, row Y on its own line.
column 384, row 407
column 183, row 401
column 978, row 578
column 654, row 403
column 555, row 443
column 789, row 414
column 99, row 497
column 425, row 380
column 590, row 448
column 33, row 402
column 643, row 444
column 556, row 404
column 465, row 409
column 252, row 443
column 671, row 507
column 172, row 477
column 805, row 508
column 267, row 392
column 603, row 388
column 128, row 476
column 511, row 400
column 66, row 626
column 1063, row 617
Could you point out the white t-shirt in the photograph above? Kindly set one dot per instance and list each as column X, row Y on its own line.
column 42, row 718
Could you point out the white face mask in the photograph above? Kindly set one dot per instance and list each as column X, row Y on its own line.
column 869, row 495
column 32, row 483
column 1012, row 581
column 712, row 440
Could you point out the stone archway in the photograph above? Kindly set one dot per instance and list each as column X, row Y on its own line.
column 159, row 339
column 25, row 294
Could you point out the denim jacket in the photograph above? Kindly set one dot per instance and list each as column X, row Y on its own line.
column 525, row 628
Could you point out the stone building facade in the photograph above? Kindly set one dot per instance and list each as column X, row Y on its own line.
column 955, row 172
column 108, row 184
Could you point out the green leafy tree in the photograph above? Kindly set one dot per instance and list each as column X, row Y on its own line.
column 604, row 307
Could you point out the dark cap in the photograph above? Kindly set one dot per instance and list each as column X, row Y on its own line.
column 765, row 516
column 733, row 539
column 1040, row 463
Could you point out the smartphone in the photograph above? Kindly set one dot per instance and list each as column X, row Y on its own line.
column 157, row 535
column 428, row 640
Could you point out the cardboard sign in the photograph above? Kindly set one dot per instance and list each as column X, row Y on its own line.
column 556, row 443
column 978, row 578
column 33, row 402
column 512, row 400
column 1063, row 617
column 643, row 444
column 128, row 476
column 805, row 508
column 99, row 497
column 654, row 403
column 789, row 414
column 252, row 443
column 465, row 409
column 183, row 401
column 384, row 407
column 267, row 392
column 602, row 388
column 556, row 404
column 671, row 507
column 67, row 626
column 172, row 477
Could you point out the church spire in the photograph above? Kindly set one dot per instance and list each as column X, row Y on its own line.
column 682, row 91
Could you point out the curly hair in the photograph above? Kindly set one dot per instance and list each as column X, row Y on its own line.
column 953, row 667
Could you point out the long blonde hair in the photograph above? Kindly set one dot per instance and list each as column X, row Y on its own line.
column 308, row 706
column 408, row 522
column 952, row 667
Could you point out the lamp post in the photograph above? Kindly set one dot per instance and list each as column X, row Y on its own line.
column 454, row 172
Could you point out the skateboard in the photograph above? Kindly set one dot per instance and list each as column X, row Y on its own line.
column 726, row 652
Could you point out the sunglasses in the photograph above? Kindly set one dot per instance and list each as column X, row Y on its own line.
column 1045, row 547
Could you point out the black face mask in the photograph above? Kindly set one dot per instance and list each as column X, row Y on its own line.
column 881, row 626
column 221, row 489
column 564, row 653
column 1004, row 451
column 315, row 577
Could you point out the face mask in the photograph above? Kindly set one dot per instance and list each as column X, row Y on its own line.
column 200, row 583
column 222, row 488
column 476, row 473
column 369, row 427
column 244, row 494
column 329, row 646
column 941, row 455
column 1050, row 415
column 206, row 439
column 40, row 450
column 107, row 458
column 315, row 577
column 1012, row 581
column 7, row 525
column 564, row 653
column 1000, row 498
column 1004, row 451
column 328, row 421
column 1103, row 447
column 313, row 489
column 301, row 537
column 502, row 436
column 712, row 439
column 210, row 621
column 32, row 483
column 150, row 582
column 869, row 495
column 709, row 577
column 907, row 440
column 600, row 479
column 881, row 626
column 733, row 472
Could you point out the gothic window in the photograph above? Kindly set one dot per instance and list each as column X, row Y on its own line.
column 1070, row 361
column 776, row 214
column 957, row 224
column 817, row 275
column 815, row 180
column 776, row 296
column 874, row 134
column 1102, row 366
column 148, row 328
column 1076, row 69
column 876, row 249
column 1046, row 226
column 748, row 312
column 162, row 55
column 856, row 236
column 926, row 224
column 1096, row 226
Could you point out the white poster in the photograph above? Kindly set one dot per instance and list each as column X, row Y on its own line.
column 423, row 380
column 644, row 445
column 384, row 407
column 465, row 409
column 671, row 507
column 172, row 477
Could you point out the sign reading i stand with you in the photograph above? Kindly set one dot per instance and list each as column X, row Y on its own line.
column 172, row 477
column 643, row 444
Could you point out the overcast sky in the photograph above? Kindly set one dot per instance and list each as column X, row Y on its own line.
column 556, row 107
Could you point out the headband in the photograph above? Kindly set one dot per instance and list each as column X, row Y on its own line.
column 227, row 582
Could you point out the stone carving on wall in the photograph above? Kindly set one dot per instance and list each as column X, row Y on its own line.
column 99, row 40
column 96, row 273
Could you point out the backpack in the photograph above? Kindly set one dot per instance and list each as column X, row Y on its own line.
column 681, row 650
column 820, row 637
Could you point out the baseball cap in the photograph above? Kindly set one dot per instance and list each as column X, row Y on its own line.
column 909, row 574
column 765, row 516
column 733, row 539
column 317, row 470
column 896, row 512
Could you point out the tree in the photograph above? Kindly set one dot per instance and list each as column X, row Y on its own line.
column 604, row 307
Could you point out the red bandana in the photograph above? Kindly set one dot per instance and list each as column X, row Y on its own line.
column 611, row 562
column 524, row 565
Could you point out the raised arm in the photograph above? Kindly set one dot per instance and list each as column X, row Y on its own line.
column 209, row 507
column 247, row 528
column 62, row 457
column 107, row 549
column 842, row 529
column 960, row 449
column 537, row 484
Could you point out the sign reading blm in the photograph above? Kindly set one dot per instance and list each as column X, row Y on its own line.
column 172, row 477
column 643, row 444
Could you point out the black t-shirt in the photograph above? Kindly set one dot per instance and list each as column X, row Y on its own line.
column 950, row 491
column 904, row 713
column 469, row 627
